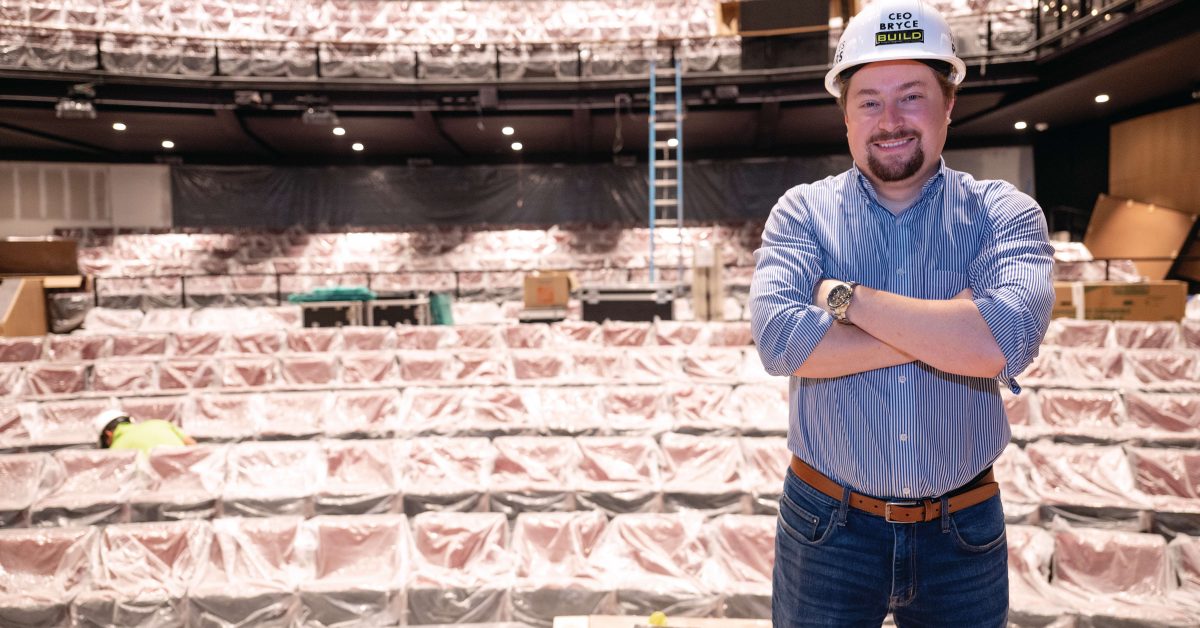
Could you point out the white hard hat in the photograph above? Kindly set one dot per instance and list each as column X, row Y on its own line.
column 890, row 30
column 106, row 417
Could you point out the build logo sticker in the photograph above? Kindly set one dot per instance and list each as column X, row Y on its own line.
column 900, row 27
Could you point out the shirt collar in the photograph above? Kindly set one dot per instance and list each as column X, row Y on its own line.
column 931, row 187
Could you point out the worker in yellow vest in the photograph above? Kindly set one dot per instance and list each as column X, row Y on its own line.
column 118, row 431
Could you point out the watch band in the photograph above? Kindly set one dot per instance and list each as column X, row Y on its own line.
column 840, row 304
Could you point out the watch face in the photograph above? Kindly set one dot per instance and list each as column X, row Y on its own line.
column 839, row 296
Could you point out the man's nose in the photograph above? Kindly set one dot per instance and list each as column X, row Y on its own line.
column 891, row 118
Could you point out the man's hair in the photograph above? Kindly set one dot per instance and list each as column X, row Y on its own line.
column 112, row 425
column 941, row 70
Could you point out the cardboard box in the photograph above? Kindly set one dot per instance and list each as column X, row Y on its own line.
column 548, row 288
column 1147, row 301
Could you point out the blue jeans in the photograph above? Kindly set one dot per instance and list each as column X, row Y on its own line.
column 837, row 566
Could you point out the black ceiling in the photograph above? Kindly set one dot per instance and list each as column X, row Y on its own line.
column 1146, row 62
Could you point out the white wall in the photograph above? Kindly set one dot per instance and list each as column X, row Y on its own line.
column 38, row 197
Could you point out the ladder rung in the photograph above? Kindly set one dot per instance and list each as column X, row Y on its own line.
column 664, row 144
column 666, row 222
column 664, row 88
column 666, row 202
column 662, row 163
column 665, row 125
column 665, row 183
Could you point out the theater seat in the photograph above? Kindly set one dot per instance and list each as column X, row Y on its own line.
column 41, row 572
column 741, row 550
column 553, row 574
column 463, row 569
column 358, row 572
column 85, row 487
column 250, row 576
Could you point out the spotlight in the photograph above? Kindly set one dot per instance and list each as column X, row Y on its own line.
column 357, row 146
column 1041, row 126
column 168, row 144
column 119, row 126
column 337, row 130
column 1101, row 98
column 75, row 108
column 1020, row 125
column 508, row 130
column 672, row 143
column 517, row 146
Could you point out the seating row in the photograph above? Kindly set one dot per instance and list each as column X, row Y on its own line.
column 434, row 568
column 506, row 474
column 441, row 568
column 182, row 341
column 1127, row 416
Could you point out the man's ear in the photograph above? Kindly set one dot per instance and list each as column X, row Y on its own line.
column 950, row 107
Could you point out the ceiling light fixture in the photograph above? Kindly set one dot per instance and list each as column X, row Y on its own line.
column 672, row 143
column 357, row 146
column 508, row 130
column 1020, row 125
column 517, row 146
column 1041, row 126
column 168, row 144
column 1102, row 98
column 337, row 130
column 119, row 126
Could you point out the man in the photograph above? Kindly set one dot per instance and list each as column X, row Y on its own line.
column 897, row 295
column 118, row 431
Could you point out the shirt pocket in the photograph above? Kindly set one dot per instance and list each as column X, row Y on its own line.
column 944, row 284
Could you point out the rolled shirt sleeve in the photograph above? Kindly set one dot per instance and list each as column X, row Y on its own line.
column 786, row 324
column 1011, row 278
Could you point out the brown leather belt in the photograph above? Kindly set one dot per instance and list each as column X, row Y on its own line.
column 901, row 511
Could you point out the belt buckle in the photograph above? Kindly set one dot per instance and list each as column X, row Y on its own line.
column 887, row 509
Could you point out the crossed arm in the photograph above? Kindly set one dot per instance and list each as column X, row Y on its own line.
column 889, row 329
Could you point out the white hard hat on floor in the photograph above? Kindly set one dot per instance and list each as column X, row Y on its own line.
column 891, row 30
column 106, row 417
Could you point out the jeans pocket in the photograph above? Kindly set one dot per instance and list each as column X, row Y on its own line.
column 979, row 528
column 799, row 522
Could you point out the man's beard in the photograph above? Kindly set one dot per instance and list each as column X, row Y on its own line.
column 896, row 171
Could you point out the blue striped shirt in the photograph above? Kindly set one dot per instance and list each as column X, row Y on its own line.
column 905, row 431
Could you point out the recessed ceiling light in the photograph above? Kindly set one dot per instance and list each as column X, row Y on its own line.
column 1041, row 126
column 119, row 126
column 672, row 142
column 508, row 130
column 168, row 144
column 337, row 130
column 357, row 146
column 517, row 146
column 1107, row 16
column 1095, row 12
column 1020, row 125
column 1101, row 98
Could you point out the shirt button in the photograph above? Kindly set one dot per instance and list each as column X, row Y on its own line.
column 904, row 438
column 906, row 491
column 902, row 379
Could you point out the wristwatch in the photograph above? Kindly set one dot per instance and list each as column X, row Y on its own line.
column 839, row 301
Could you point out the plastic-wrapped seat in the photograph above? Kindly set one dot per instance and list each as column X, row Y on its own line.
column 258, row 341
column 309, row 369
column 703, row 473
column 141, row 574
column 1162, row 369
column 173, row 409
column 85, row 487
column 470, row 411
column 655, row 561
column 1071, row 332
column 293, row 414
column 266, row 479
column 720, row 364
column 197, row 343
column 21, row 349
column 124, row 376
column 18, row 424
column 314, row 340
column 462, row 568
column 625, row 334
column 533, row 474
column 649, row 365
column 186, row 373
column 572, row 410
column 78, row 347
column 619, row 474
column 1184, row 554
column 1170, row 478
column 1086, row 482
column 1113, row 577
column 370, row 368
column 224, row 417
column 368, row 338
column 1094, row 414
column 249, row 372
column 766, row 463
column 139, row 344
column 1014, row 474
column 251, row 575
column 741, row 550
column 426, row 366
column 1032, row 601
column 180, row 483
column 22, row 475
column 1146, row 334
column 358, row 572
column 761, row 409
column 69, row 422
column 54, row 378
column 703, row 409
column 446, row 474
column 1166, row 415
column 361, row 477
column 41, row 571
column 553, row 574
column 363, row 413
column 636, row 410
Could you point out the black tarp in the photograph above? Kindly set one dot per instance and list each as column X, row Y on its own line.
column 404, row 196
